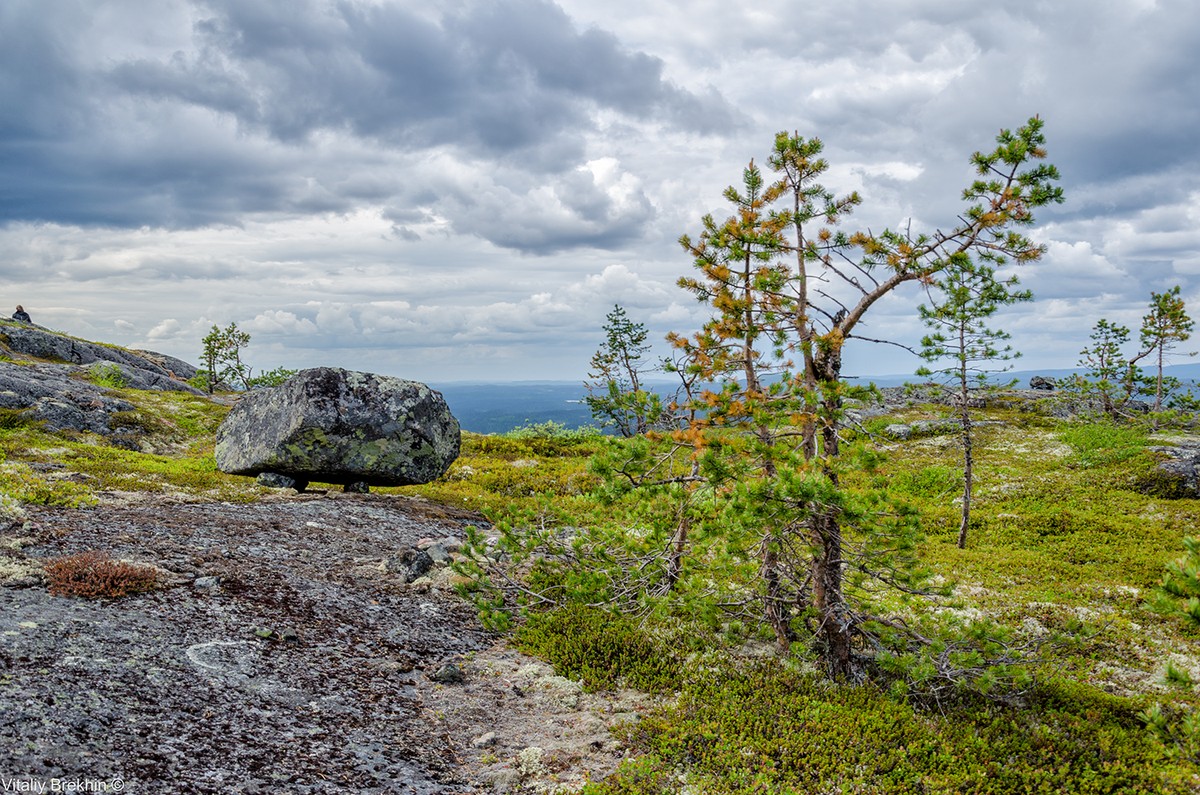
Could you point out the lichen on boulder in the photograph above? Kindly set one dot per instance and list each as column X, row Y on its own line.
column 339, row 426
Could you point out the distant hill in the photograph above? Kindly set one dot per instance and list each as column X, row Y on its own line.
column 497, row 408
column 1187, row 373
column 501, row 407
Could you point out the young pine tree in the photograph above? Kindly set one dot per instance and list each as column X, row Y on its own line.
column 968, row 294
column 1114, row 379
column 222, row 357
column 1166, row 325
column 769, row 436
column 746, row 517
column 615, row 392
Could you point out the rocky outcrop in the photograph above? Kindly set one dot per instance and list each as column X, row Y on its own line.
column 1043, row 383
column 1177, row 473
column 50, row 395
column 1057, row 403
column 65, row 383
column 156, row 370
column 338, row 426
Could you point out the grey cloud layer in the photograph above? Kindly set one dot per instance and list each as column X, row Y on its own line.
column 367, row 179
column 301, row 107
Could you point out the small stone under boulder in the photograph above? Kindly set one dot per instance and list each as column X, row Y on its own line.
column 330, row 425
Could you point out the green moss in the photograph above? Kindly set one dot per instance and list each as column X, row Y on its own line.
column 139, row 422
column 178, row 425
column 23, row 484
column 1100, row 443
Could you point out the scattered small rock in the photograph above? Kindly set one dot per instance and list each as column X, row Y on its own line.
column 484, row 740
column 274, row 480
column 206, row 583
column 401, row 664
column 409, row 562
column 438, row 554
column 447, row 674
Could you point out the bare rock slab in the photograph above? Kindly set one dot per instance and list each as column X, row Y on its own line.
column 339, row 426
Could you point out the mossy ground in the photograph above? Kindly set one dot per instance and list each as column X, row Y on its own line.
column 173, row 431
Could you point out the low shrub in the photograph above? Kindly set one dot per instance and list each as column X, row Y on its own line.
column 552, row 438
column 1102, row 443
column 21, row 483
column 11, row 419
column 108, row 375
column 931, row 482
column 138, row 421
column 604, row 650
column 765, row 728
column 94, row 575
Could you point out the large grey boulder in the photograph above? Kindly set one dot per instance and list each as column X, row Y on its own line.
column 338, row 426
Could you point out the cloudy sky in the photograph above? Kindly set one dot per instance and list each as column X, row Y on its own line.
column 462, row 190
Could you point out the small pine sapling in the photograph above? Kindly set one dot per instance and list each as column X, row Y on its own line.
column 616, row 394
column 968, row 293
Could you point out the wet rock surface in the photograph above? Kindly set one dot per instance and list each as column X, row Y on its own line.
column 287, row 651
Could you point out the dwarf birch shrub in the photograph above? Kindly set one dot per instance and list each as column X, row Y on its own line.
column 603, row 650
column 94, row 575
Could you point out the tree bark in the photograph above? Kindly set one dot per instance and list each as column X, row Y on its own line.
column 968, row 469
column 964, row 397
column 835, row 633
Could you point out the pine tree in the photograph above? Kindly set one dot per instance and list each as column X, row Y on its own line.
column 1113, row 378
column 222, row 357
column 968, row 294
column 1163, row 327
column 774, row 343
column 615, row 392
column 745, row 518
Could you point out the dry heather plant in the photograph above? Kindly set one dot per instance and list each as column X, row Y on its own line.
column 94, row 575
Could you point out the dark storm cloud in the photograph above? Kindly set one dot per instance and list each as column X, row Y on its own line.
column 502, row 76
column 250, row 106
